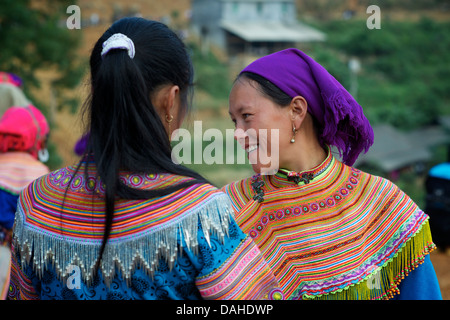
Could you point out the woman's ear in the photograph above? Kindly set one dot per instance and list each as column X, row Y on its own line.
column 298, row 109
column 172, row 99
column 165, row 100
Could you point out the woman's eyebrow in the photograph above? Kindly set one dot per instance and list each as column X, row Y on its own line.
column 238, row 111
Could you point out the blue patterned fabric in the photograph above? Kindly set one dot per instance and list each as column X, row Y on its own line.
column 175, row 284
column 8, row 205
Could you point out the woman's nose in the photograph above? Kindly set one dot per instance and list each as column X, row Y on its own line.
column 239, row 134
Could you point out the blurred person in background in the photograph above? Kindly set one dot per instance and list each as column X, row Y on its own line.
column 23, row 136
column 11, row 93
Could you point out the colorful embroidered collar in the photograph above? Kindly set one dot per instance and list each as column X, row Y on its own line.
column 303, row 177
column 286, row 178
column 60, row 219
column 330, row 238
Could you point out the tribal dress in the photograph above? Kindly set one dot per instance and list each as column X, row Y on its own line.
column 336, row 232
column 185, row 245
column 17, row 170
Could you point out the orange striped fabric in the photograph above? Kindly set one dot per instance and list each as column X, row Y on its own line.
column 60, row 220
column 245, row 270
column 329, row 237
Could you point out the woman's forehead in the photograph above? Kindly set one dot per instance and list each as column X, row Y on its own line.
column 244, row 93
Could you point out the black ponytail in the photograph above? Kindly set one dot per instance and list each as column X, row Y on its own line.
column 125, row 131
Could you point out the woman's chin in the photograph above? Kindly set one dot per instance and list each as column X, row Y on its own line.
column 269, row 169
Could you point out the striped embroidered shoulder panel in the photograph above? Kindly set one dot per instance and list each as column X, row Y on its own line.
column 243, row 276
column 330, row 238
column 60, row 219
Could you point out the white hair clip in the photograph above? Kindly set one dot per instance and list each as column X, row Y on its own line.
column 118, row 41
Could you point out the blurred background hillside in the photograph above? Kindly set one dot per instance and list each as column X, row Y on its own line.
column 401, row 77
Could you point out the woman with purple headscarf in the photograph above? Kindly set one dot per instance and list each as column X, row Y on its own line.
column 328, row 230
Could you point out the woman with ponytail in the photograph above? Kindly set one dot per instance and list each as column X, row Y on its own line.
column 127, row 222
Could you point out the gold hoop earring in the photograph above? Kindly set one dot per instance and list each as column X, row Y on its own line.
column 294, row 131
column 169, row 121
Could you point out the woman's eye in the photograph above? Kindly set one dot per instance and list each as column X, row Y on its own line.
column 246, row 115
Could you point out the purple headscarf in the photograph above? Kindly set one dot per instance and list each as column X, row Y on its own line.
column 340, row 116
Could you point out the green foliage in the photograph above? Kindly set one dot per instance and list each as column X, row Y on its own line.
column 405, row 68
column 406, row 5
column 36, row 38
column 212, row 75
column 403, row 80
column 404, row 76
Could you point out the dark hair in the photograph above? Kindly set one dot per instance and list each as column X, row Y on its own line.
column 267, row 88
column 125, row 130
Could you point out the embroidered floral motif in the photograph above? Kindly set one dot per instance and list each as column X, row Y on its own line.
column 306, row 208
column 276, row 294
column 78, row 182
column 140, row 285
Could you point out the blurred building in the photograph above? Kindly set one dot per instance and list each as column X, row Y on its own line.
column 394, row 150
column 250, row 26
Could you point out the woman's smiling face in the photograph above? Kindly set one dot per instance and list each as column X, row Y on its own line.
column 262, row 127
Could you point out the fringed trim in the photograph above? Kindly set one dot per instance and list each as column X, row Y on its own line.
column 382, row 284
column 41, row 248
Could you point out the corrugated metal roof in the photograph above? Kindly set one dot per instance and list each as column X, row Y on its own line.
column 273, row 31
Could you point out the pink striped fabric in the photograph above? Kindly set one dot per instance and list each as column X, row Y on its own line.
column 61, row 217
column 18, row 169
column 325, row 239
